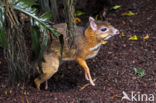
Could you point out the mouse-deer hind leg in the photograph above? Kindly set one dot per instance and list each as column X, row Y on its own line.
column 49, row 67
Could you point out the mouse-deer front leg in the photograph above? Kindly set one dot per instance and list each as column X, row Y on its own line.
column 83, row 63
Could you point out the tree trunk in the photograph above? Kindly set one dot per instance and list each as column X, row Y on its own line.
column 69, row 9
column 54, row 10
column 16, row 53
column 45, row 5
column 50, row 5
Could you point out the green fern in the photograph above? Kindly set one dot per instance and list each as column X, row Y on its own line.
column 39, row 25
column 41, row 21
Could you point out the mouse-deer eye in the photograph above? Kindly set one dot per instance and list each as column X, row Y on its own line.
column 103, row 29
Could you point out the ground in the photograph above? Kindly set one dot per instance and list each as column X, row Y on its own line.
column 113, row 67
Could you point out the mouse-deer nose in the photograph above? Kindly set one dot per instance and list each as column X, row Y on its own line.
column 116, row 31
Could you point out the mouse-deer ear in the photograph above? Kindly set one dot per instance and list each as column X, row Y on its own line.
column 91, row 19
column 93, row 25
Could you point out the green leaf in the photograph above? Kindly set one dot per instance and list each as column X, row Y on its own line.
column 35, row 36
column 116, row 7
column 139, row 72
column 130, row 13
column 25, row 2
column 43, row 45
column 46, row 16
column 79, row 13
column 133, row 38
column 42, row 49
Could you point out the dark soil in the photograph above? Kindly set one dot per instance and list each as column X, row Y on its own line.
column 113, row 66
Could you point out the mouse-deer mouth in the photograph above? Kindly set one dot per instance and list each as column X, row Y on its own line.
column 108, row 37
column 116, row 32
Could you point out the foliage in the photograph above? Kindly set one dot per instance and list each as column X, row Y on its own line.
column 139, row 72
column 133, row 38
column 116, row 7
column 39, row 24
column 136, row 38
column 35, row 36
column 146, row 37
column 79, row 13
column 130, row 13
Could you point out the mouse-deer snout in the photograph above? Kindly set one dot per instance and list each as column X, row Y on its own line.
column 116, row 32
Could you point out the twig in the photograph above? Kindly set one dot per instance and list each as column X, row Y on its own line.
column 86, row 85
column 116, row 96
